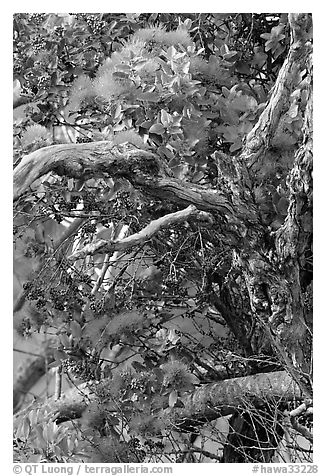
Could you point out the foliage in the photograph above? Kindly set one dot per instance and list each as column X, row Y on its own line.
column 186, row 86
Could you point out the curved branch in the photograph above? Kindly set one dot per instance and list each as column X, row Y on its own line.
column 104, row 246
column 141, row 168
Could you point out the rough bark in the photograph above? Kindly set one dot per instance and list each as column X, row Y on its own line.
column 259, row 138
column 294, row 247
column 142, row 168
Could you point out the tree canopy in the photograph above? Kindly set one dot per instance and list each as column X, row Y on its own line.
column 163, row 236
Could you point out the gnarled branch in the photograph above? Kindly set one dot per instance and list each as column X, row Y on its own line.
column 143, row 169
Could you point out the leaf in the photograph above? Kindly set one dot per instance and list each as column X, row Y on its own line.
column 171, row 53
column 191, row 303
column 59, row 355
column 117, row 111
column 236, row 146
column 55, row 364
column 71, row 183
column 70, row 443
column 165, row 118
column 180, row 171
column 41, row 441
column 146, row 124
column 76, row 330
column 187, row 23
column 33, row 417
column 123, row 67
column 138, row 366
column 230, row 56
column 120, row 75
column 173, row 397
column 48, row 432
column 172, row 336
column 150, row 97
column 58, row 450
column 64, row 339
column 107, row 371
column 113, row 420
column 165, row 151
column 265, row 36
column 175, row 130
column 139, row 63
column 25, row 428
column 157, row 129
column 36, row 458
column 243, row 67
column 166, row 68
column 161, row 335
column 118, row 127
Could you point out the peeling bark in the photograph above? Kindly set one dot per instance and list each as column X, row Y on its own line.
column 293, row 245
column 143, row 169
column 259, row 138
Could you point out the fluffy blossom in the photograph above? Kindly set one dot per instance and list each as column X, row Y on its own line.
column 35, row 133
column 81, row 89
column 177, row 376
column 105, row 86
column 146, row 425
